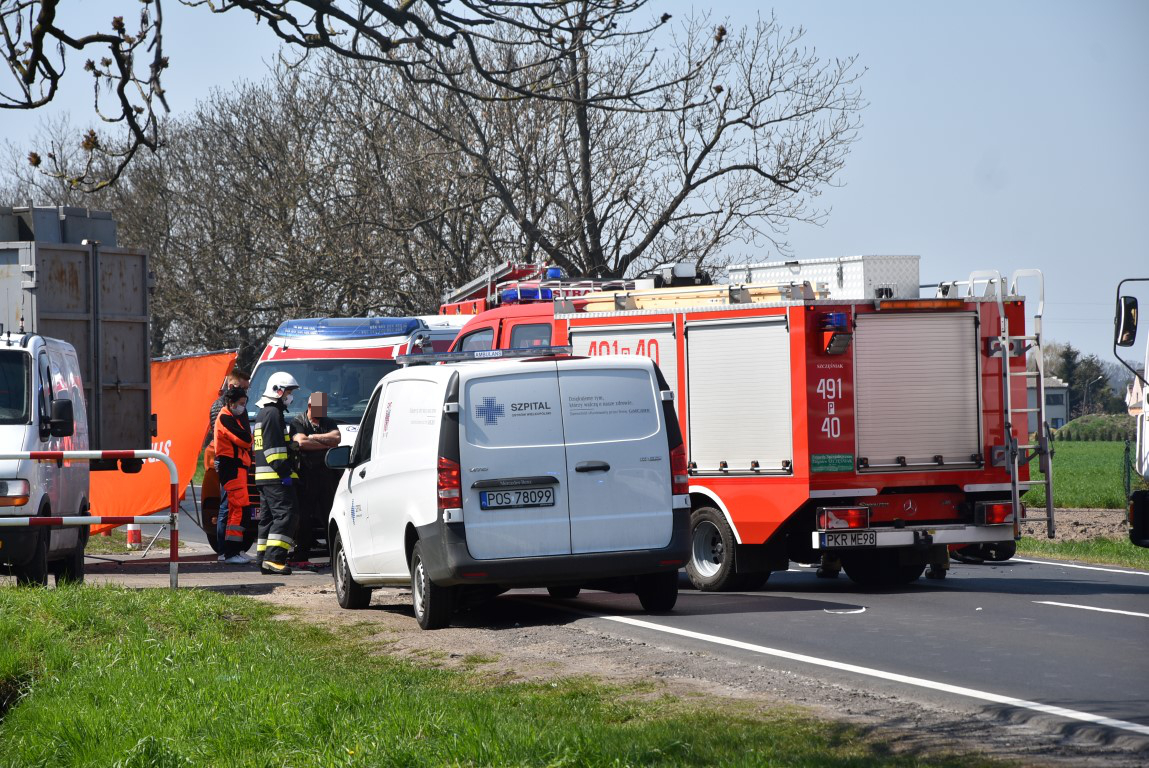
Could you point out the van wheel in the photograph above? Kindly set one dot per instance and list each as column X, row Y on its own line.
column 432, row 602
column 349, row 594
column 711, row 563
column 70, row 570
column 35, row 571
column 749, row 582
column 564, row 592
column 658, row 592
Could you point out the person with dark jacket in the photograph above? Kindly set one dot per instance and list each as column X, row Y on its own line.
column 275, row 475
column 232, row 459
column 315, row 432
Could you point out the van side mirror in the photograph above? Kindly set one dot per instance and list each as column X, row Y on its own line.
column 338, row 457
column 63, row 421
column 1126, row 322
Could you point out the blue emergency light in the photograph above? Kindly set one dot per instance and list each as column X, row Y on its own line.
column 835, row 321
column 526, row 293
column 349, row 327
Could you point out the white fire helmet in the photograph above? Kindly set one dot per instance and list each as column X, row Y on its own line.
column 278, row 384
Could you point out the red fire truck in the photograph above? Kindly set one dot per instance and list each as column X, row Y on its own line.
column 869, row 433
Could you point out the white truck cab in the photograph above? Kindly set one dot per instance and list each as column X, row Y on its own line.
column 469, row 478
column 42, row 409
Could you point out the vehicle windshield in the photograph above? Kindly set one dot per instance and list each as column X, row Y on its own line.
column 15, row 376
column 348, row 384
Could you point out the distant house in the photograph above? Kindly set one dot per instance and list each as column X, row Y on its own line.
column 1135, row 396
column 1056, row 402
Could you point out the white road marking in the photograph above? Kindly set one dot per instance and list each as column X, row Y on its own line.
column 1091, row 608
column 995, row 698
column 1082, row 567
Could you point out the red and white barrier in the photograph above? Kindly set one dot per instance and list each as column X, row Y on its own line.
column 173, row 515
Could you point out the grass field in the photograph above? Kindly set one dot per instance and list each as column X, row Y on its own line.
column 112, row 677
column 1119, row 552
column 1085, row 475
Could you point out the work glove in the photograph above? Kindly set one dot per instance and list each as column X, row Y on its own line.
column 286, row 481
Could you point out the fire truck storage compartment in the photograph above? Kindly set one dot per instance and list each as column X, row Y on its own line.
column 653, row 340
column 917, row 390
column 739, row 412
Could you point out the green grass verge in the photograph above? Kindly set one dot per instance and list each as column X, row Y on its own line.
column 1120, row 552
column 1085, row 475
column 103, row 676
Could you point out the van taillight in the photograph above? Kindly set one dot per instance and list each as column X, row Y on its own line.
column 680, row 474
column 449, row 485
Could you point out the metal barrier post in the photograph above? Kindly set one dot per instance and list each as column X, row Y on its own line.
column 173, row 514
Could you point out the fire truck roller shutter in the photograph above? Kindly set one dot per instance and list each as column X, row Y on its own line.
column 916, row 389
column 739, row 403
column 654, row 340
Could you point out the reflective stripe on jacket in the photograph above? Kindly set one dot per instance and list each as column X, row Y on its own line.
column 270, row 439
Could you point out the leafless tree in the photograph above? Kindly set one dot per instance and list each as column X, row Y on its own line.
column 721, row 137
column 127, row 62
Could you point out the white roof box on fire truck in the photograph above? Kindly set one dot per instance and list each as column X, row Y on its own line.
column 849, row 277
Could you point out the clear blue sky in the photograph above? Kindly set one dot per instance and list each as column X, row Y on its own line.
column 999, row 135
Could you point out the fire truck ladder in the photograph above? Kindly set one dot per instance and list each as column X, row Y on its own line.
column 1014, row 454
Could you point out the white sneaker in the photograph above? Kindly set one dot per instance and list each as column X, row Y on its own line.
column 248, row 557
column 237, row 560
column 221, row 559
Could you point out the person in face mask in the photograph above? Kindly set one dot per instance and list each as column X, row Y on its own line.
column 276, row 475
column 232, row 458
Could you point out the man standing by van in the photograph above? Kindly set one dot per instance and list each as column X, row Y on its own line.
column 314, row 432
column 275, row 474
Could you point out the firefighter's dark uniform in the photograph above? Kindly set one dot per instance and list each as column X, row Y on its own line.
column 275, row 475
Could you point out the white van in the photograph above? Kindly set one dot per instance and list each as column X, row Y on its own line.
column 42, row 409
column 470, row 478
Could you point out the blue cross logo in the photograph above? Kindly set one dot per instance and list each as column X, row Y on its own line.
column 489, row 411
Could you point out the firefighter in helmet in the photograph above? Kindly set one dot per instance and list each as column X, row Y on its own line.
column 275, row 474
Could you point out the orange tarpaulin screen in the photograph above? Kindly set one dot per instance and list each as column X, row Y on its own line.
column 182, row 393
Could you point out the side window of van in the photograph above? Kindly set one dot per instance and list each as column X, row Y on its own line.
column 45, row 392
column 531, row 335
column 361, row 451
column 477, row 340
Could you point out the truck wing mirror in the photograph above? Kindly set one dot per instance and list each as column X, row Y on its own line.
column 1139, row 518
column 338, row 457
column 63, row 421
column 1126, row 332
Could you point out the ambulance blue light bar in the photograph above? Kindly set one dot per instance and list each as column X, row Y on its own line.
column 481, row 354
column 349, row 327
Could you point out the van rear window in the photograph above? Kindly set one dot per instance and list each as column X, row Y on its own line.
column 513, row 410
column 606, row 404
column 14, row 380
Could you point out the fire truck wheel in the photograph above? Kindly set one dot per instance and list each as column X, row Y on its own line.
column 880, row 569
column 658, row 592
column 999, row 551
column 711, row 563
column 752, row 581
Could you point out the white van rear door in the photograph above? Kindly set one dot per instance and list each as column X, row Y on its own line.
column 513, row 461
column 618, row 459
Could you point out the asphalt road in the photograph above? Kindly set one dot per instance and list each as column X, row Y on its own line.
column 1040, row 640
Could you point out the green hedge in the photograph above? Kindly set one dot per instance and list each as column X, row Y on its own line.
column 1096, row 427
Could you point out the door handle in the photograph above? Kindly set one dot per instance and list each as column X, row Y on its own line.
column 592, row 466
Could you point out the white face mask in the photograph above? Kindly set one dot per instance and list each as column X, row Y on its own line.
column 288, row 398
